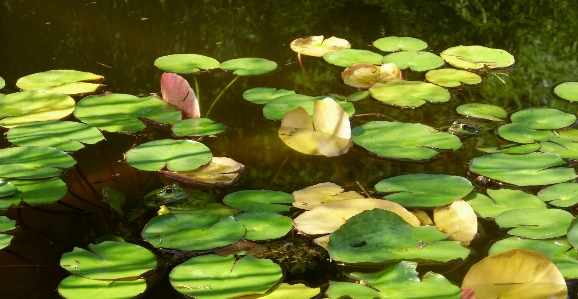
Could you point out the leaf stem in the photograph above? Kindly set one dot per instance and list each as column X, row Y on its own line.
column 219, row 96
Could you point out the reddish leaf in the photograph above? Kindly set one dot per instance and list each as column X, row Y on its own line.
column 177, row 92
column 468, row 294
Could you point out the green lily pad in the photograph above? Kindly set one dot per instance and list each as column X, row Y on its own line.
column 277, row 108
column 263, row 226
column 564, row 144
column 380, row 236
column 63, row 135
column 317, row 46
column 60, row 81
column 573, row 232
column 204, row 203
column 535, row 223
column 416, row 61
column 7, row 189
column 453, row 78
column 33, row 162
column 519, row 132
column 533, row 169
column 264, row 95
column 217, row 277
column 399, row 140
column 349, row 57
column 197, row 127
column 109, row 260
column 192, row 232
column 122, row 112
column 477, row 57
column 558, row 250
column 31, row 106
column 560, row 195
column 512, row 149
column 396, row 281
column 397, row 43
column 424, row 190
column 293, row 291
column 409, row 93
column 176, row 155
column 35, row 192
column 249, row 66
column 567, row 91
column 6, row 224
column 502, row 200
column 357, row 96
column 185, row 63
column 76, row 287
column 2, row 83
column 543, row 118
column 259, row 200
column 484, row 111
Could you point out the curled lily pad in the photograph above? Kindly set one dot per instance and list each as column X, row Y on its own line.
column 63, row 135
column 409, row 93
column 315, row 195
column 264, row 95
column 452, row 78
column 399, row 140
column 76, row 287
column 416, row 61
column 535, row 223
column 349, row 57
column 317, row 46
column 276, row 109
column 220, row 171
column 560, row 195
column 567, row 91
column 263, row 226
column 32, row 106
column 185, row 63
column 397, row 43
column 197, row 127
column 484, row 111
column 259, row 200
column 364, row 75
column 477, row 57
column 502, row 200
column 32, row 162
column 60, row 81
column 176, row 155
column 249, row 66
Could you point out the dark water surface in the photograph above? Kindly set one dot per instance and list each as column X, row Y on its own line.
column 120, row 39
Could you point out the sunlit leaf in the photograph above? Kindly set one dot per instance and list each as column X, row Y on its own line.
column 277, row 108
column 264, row 95
column 219, row 172
column 6, row 224
column 35, row 192
column 60, row 81
column 7, row 188
column 175, row 155
column 31, row 106
column 349, row 57
column 63, row 135
column 502, row 200
column 197, row 127
column 458, row 220
column 2, row 83
column 315, row 195
column 416, row 61
column 567, row 91
column 364, row 75
column 560, row 195
column 484, row 111
column 317, row 46
column 177, row 92
column 249, row 66
column 185, row 63
column 512, row 149
column 452, row 78
column 521, row 133
column 32, row 162
column 477, row 57
column 259, row 200
column 76, row 287
column 409, row 93
column 543, row 118
column 293, row 291
column 564, row 144
column 535, row 223
column 397, row 43
column 263, row 226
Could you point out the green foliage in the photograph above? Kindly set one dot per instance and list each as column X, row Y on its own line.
column 186, row 63
column 259, row 200
column 63, row 135
column 535, row 223
column 197, row 127
column 249, row 66
column 416, row 61
column 409, row 93
column 60, row 81
column 396, row 43
column 349, row 57
column 32, row 106
column 175, row 155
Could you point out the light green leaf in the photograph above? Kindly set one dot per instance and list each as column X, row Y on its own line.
column 535, row 223
column 567, row 91
column 259, row 200
column 76, row 287
column 197, row 127
column 249, row 66
column 453, row 78
column 63, row 135
column 60, row 81
column 175, row 155
column 31, row 106
column 502, row 200
column 185, row 63
column 264, row 95
column 396, row 43
column 477, row 57
column 263, row 226
column 33, row 162
column 484, row 111
column 416, row 61
column 349, row 57
column 408, row 93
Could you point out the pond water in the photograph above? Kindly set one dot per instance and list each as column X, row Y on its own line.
column 120, row 39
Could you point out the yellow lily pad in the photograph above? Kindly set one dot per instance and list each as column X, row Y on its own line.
column 315, row 195
column 457, row 219
column 316, row 46
column 364, row 75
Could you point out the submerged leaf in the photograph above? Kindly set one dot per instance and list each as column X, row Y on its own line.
column 317, row 46
column 177, row 92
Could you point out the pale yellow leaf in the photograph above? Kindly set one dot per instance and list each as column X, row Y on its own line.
column 457, row 219
column 316, row 46
column 315, row 195
column 363, row 75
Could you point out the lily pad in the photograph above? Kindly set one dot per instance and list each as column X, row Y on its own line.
column 357, row 96
column 379, row 236
column 315, row 195
column 567, row 91
column 215, row 277
column 535, row 223
column 264, row 95
column 192, row 232
column 197, row 127
column 122, row 112
column 349, row 57
column 277, row 108
column 203, row 203
column 60, row 81
column 512, row 149
column 560, row 195
column 7, row 189
column 317, row 46
column 263, row 226
column 259, row 200
column 543, row 118
column 6, row 224
column 249, row 66
column 35, row 192
column 31, row 106
column 185, row 63
column 176, row 155
column 293, row 291
column 397, row 43
column 484, row 111
column 2, row 83
column 519, row 132
column 33, row 162
column 63, row 135
column 364, row 75
column 416, row 61
column 458, row 220
column 502, row 200
column 477, row 57
column 76, row 287
column 532, row 169
column 220, row 171
column 109, row 260
column 453, row 78
column 409, row 93
column 424, row 190
column 573, row 232
column 400, row 140
column 564, row 144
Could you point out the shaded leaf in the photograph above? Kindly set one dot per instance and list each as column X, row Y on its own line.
column 63, row 135
column 259, row 200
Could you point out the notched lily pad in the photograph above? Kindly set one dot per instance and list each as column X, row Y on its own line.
column 483, row 111
column 397, row 43
column 259, row 200
column 535, row 223
column 249, row 66
column 277, row 108
column 176, row 155
column 453, row 78
column 31, row 106
column 263, row 226
column 364, row 75
column 349, row 57
column 502, row 200
column 186, row 63
column 416, row 61
column 60, row 81
column 317, row 46
column 264, row 95
column 409, row 93
column 197, row 127
column 543, row 118
column 477, row 57
column 76, row 287
column 560, row 195
column 35, row 192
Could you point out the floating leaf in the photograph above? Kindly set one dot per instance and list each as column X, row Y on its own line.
column 379, row 236
column 294, row 291
column 60, row 81
column 219, row 172
column 349, row 57
column 453, row 78
column 263, row 226
column 519, row 132
column 573, row 232
column 512, row 149
column 360, row 95
column 197, row 127
column 109, row 260
column 484, row 111
column 516, row 273
column 535, row 223
column 560, row 195
column 6, row 224
column 264, row 95
column 567, row 91
column 477, row 57
column 409, row 93
column 63, row 135
column 35, row 192
column 276, row 109
column 259, row 200
column 564, row 144
column 316, row 46
column 396, row 43
column 532, row 169
column 315, row 195
column 31, row 106
column 502, row 200
column 249, row 66
column 7, row 189
column 364, row 75
column 215, row 277
column 177, row 92
column 76, row 287
column 203, row 203
column 33, row 162
column 176, row 155
column 185, row 63
column 2, row 83
column 329, row 134
column 543, row 118
column 122, row 112
column 458, row 220
column 416, row 61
